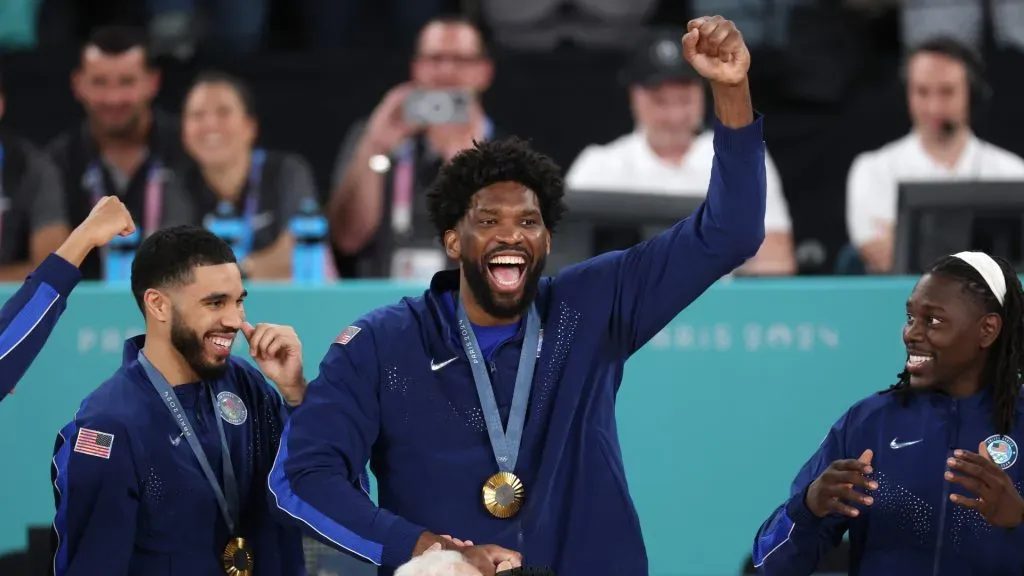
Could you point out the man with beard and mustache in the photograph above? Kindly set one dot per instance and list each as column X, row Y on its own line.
column 163, row 469
column 124, row 147
column 486, row 407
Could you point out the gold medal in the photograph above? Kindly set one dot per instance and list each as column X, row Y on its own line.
column 237, row 558
column 504, row 494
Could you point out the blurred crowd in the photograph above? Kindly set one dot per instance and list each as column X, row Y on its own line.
column 205, row 166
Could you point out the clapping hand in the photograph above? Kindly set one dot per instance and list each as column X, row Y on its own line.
column 997, row 499
column 833, row 491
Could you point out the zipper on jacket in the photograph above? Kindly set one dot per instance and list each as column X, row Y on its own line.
column 954, row 432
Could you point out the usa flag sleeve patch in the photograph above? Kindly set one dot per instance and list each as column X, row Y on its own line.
column 94, row 443
column 347, row 335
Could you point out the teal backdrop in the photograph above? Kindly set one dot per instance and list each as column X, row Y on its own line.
column 716, row 413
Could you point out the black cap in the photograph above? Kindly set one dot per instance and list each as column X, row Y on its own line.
column 658, row 58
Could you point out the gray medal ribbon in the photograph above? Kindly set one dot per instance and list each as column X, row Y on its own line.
column 227, row 498
column 504, row 443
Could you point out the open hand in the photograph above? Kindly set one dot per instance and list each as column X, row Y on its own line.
column 716, row 50
column 998, row 500
column 833, row 491
column 278, row 352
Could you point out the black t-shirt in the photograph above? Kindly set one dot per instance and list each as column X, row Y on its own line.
column 30, row 196
column 271, row 198
column 85, row 176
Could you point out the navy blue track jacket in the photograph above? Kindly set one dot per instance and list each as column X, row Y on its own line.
column 131, row 497
column 396, row 390
column 911, row 528
column 28, row 317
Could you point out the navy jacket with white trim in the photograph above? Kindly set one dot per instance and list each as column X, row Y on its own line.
column 912, row 527
column 29, row 316
column 130, row 495
column 397, row 391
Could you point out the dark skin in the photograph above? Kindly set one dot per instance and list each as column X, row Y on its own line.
column 502, row 214
column 954, row 331
column 507, row 213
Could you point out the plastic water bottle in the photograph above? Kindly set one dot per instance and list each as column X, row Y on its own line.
column 226, row 224
column 120, row 253
column 309, row 258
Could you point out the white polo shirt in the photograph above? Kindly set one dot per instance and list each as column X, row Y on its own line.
column 874, row 178
column 628, row 164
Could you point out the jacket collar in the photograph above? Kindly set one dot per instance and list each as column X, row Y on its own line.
column 439, row 298
column 132, row 347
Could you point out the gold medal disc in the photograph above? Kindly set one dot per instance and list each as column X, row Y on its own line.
column 504, row 494
column 237, row 558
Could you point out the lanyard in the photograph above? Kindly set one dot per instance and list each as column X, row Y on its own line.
column 154, row 203
column 252, row 198
column 404, row 181
column 229, row 504
column 505, row 444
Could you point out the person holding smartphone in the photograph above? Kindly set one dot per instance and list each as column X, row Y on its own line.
column 377, row 208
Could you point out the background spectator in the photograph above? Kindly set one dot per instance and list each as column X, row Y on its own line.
column 671, row 150
column 33, row 220
column 944, row 84
column 124, row 146
column 266, row 187
column 378, row 207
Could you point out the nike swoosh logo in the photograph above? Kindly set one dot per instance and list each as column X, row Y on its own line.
column 437, row 366
column 897, row 445
column 175, row 441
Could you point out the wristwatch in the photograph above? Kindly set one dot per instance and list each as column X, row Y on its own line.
column 380, row 163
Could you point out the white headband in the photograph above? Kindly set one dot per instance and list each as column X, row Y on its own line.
column 989, row 270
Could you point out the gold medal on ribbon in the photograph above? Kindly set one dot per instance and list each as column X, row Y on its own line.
column 237, row 558
column 504, row 494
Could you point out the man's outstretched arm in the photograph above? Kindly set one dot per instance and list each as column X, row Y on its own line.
column 28, row 317
column 655, row 280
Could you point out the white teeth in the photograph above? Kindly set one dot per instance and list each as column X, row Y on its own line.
column 222, row 342
column 513, row 260
column 916, row 360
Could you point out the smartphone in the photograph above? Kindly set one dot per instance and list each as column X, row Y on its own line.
column 430, row 107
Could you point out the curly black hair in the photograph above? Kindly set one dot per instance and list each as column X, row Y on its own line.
column 1004, row 360
column 487, row 163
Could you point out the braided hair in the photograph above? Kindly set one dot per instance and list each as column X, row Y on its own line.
column 1004, row 364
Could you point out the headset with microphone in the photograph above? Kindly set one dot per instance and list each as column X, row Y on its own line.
column 980, row 90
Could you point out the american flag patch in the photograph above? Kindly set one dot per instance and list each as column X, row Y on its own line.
column 94, row 443
column 347, row 335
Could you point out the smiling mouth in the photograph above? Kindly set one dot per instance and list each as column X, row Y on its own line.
column 220, row 344
column 507, row 272
column 916, row 362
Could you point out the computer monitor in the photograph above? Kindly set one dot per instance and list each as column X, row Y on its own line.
column 935, row 219
column 602, row 221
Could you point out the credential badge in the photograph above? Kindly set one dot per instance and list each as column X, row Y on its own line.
column 232, row 410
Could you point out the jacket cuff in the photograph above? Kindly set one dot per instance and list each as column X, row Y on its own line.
column 59, row 274
column 798, row 511
column 746, row 140
column 400, row 543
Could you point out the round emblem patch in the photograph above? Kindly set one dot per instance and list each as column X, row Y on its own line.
column 1002, row 450
column 232, row 410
